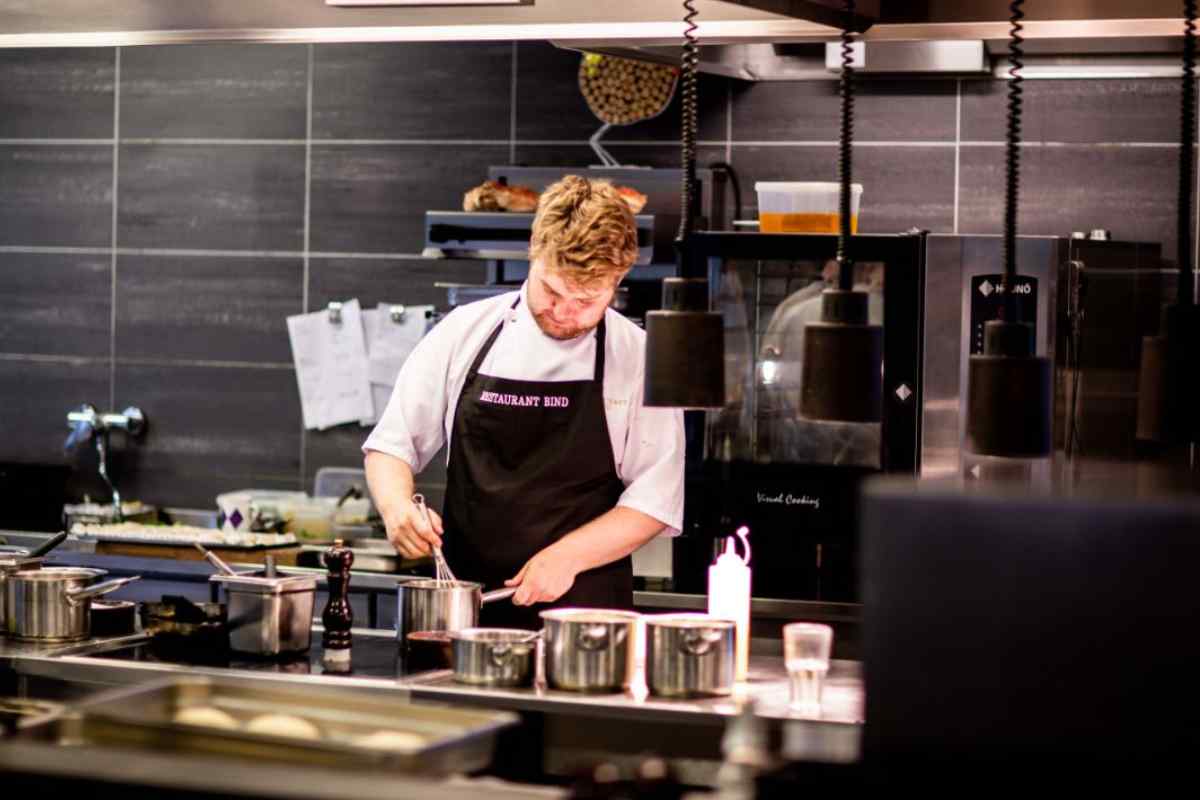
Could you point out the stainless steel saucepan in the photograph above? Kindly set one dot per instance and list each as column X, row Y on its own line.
column 10, row 563
column 19, row 560
column 590, row 649
column 494, row 656
column 54, row 603
column 689, row 655
column 430, row 605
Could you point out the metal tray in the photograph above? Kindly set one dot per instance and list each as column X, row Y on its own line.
column 455, row 740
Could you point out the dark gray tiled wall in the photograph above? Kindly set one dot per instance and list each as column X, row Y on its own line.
column 65, row 94
column 373, row 198
column 1076, row 111
column 226, row 91
column 884, row 110
column 1128, row 190
column 419, row 91
column 229, row 216
column 55, row 304
column 220, row 197
column 221, row 309
column 56, row 195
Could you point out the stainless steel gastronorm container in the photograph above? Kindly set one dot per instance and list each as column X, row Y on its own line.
column 430, row 605
column 589, row 649
column 269, row 616
column 689, row 655
column 494, row 656
column 443, row 740
column 54, row 604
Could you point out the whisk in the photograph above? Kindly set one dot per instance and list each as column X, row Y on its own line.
column 442, row 573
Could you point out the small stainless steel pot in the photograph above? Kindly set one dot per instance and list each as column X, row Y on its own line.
column 430, row 605
column 10, row 563
column 689, row 655
column 54, row 603
column 269, row 616
column 589, row 649
column 494, row 656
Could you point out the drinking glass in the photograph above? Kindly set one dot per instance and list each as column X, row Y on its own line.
column 806, row 648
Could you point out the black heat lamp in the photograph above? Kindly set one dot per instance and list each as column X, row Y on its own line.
column 685, row 341
column 842, row 373
column 1009, row 387
column 1168, row 385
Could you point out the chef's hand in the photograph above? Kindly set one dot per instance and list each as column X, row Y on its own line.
column 409, row 533
column 544, row 578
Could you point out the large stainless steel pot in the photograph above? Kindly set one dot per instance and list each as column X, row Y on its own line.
column 494, row 656
column 689, row 655
column 10, row 563
column 589, row 649
column 430, row 605
column 17, row 559
column 54, row 603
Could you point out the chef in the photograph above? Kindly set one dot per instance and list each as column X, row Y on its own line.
column 556, row 472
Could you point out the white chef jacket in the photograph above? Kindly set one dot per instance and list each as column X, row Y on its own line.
column 647, row 443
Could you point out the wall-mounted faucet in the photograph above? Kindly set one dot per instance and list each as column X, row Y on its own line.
column 87, row 424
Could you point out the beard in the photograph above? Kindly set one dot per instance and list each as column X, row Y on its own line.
column 558, row 331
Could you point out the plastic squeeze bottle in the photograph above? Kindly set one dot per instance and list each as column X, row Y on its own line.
column 729, row 596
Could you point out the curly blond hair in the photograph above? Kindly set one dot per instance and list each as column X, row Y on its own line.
column 584, row 230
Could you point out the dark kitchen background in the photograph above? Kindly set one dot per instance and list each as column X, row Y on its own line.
column 163, row 209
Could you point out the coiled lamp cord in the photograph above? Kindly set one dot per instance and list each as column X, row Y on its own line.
column 687, row 79
column 845, row 154
column 1012, row 156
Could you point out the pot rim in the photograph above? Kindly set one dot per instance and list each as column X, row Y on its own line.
column 431, row 584
column 495, row 635
column 56, row 574
column 591, row 616
column 689, row 620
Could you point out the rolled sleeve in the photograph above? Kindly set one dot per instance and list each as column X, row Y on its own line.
column 652, row 469
column 412, row 425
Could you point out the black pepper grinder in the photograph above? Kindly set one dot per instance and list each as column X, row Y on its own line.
column 338, row 617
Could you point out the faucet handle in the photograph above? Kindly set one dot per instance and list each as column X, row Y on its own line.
column 131, row 420
column 83, row 423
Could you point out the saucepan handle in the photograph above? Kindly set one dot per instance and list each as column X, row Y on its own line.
column 77, row 596
column 592, row 637
column 699, row 642
column 498, row 594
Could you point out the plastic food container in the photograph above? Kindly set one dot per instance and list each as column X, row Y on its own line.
column 808, row 207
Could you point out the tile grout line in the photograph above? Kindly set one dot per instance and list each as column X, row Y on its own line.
column 957, row 146
column 202, row 253
column 1195, row 237
column 112, row 299
column 512, row 110
column 512, row 142
column 54, row 358
column 308, row 117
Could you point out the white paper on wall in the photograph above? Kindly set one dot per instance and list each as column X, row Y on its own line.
column 331, row 367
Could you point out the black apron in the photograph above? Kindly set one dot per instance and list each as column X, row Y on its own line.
column 530, row 461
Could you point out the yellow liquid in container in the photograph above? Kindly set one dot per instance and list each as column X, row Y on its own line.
column 775, row 222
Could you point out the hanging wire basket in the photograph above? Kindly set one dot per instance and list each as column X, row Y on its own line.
column 623, row 91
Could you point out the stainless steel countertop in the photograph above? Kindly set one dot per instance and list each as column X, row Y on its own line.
column 768, row 684
column 632, row 716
